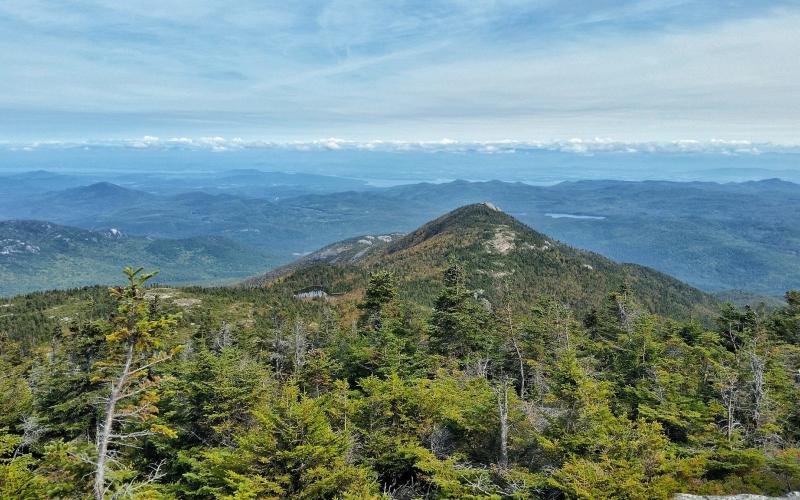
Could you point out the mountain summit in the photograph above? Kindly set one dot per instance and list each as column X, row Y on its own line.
column 502, row 258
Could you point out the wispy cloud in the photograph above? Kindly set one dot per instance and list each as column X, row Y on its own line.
column 638, row 69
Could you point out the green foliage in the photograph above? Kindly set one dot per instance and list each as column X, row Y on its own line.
column 460, row 326
column 381, row 291
column 17, row 476
column 66, row 392
column 16, row 400
column 370, row 395
column 291, row 450
column 787, row 322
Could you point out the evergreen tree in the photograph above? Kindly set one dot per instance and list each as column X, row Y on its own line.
column 787, row 321
column 461, row 328
column 381, row 291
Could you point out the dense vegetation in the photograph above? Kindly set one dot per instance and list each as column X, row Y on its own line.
column 36, row 255
column 253, row 393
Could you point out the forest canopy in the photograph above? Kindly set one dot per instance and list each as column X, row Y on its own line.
column 252, row 393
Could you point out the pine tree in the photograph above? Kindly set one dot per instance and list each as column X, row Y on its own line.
column 460, row 327
column 381, row 291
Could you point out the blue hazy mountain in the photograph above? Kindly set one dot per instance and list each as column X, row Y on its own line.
column 714, row 236
column 138, row 167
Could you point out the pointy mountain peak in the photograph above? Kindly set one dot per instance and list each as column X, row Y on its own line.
column 474, row 215
column 496, row 251
column 481, row 221
column 476, row 208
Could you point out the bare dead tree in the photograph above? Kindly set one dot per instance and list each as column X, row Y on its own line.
column 300, row 345
column 512, row 336
column 762, row 403
column 562, row 324
column 501, row 393
column 730, row 395
column 622, row 312
column 279, row 348
column 223, row 338
column 32, row 430
column 135, row 348
column 479, row 368
column 758, row 384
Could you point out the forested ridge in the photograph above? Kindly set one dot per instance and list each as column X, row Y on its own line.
column 502, row 257
column 461, row 390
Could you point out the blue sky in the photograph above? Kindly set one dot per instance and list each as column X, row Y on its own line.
column 538, row 70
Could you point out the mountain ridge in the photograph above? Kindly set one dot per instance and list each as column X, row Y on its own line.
column 502, row 256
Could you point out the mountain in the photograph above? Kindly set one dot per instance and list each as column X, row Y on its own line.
column 80, row 203
column 98, row 193
column 714, row 236
column 734, row 236
column 37, row 255
column 502, row 257
column 18, row 191
column 282, row 229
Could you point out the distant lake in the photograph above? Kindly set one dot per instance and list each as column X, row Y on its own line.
column 574, row 216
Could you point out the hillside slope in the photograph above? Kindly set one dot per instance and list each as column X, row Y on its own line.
column 38, row 255
column 503, row 259
column 349, row 251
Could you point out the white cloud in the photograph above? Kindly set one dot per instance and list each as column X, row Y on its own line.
column 578, row 146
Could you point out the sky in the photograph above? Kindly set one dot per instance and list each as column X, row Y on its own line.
column 417, row 70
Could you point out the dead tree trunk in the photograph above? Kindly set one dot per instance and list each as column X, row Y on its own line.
column 515, row 344
column 106, row 429
column 759, row 386
column 223, row 338
column 300, row 344
column 501, row 392
column 729, row 392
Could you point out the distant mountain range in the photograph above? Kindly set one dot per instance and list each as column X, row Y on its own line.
column 737, row 236
column 503, row 259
